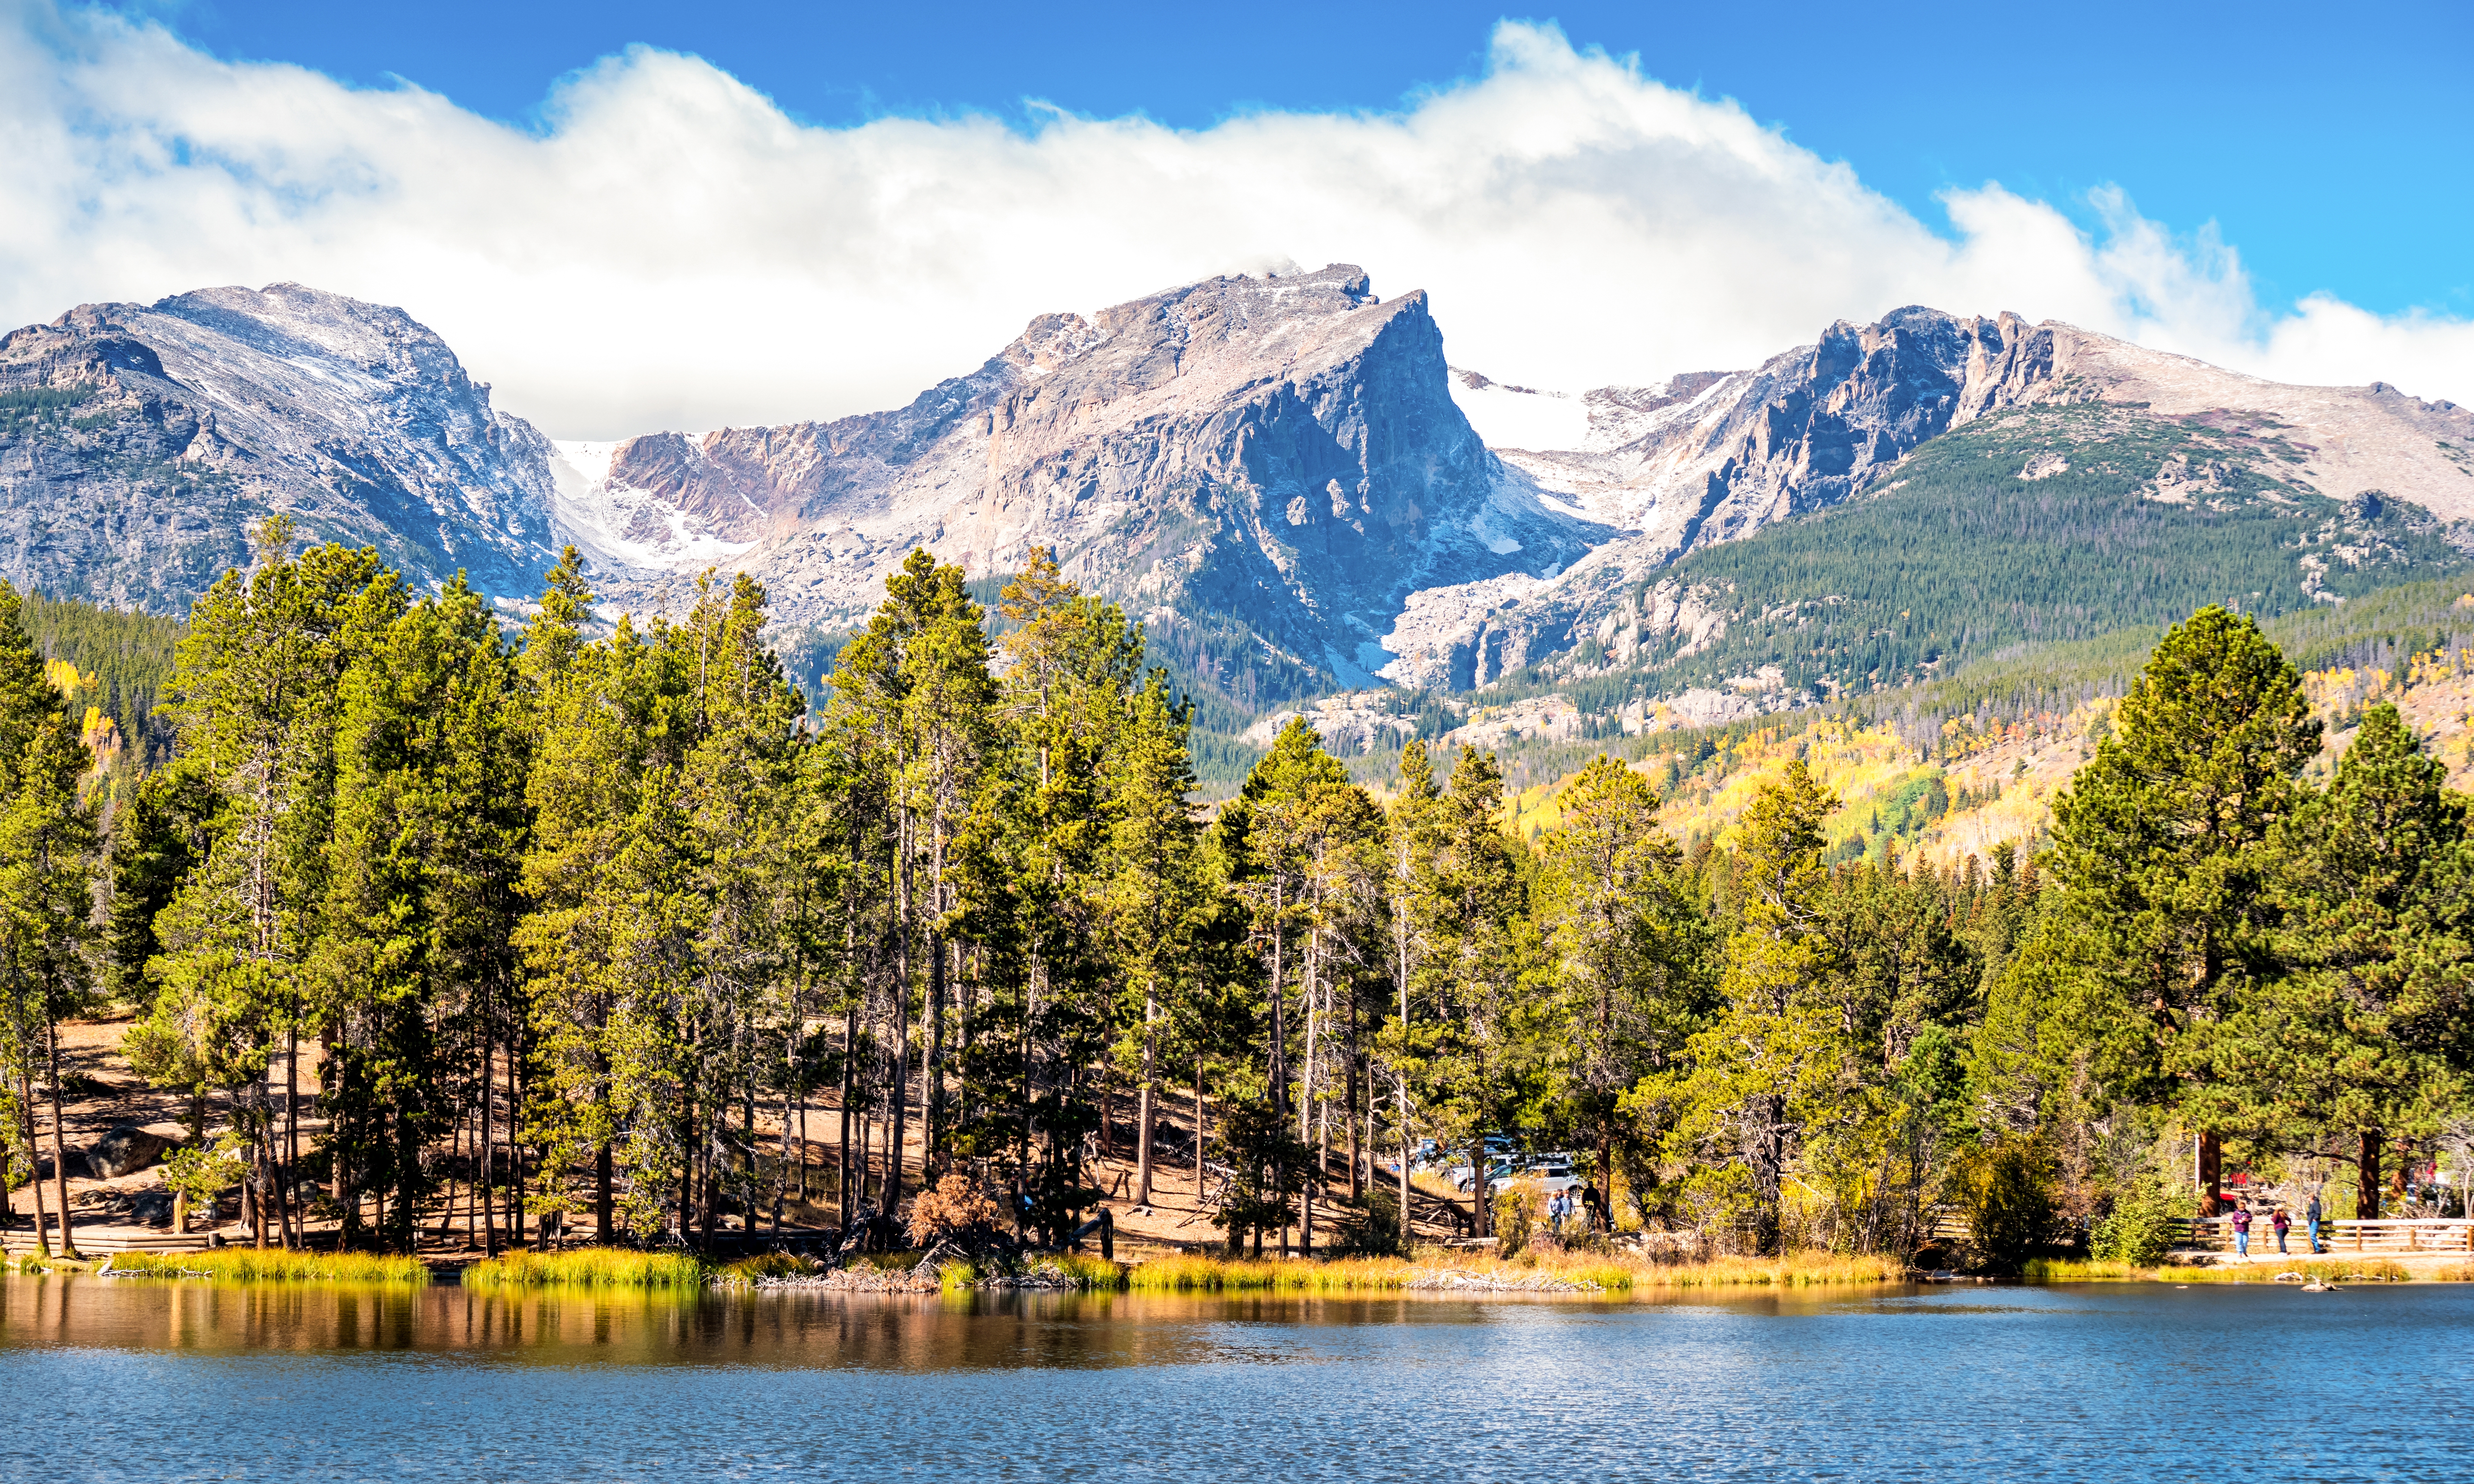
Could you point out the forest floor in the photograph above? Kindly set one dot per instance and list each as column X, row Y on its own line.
column 101, row 1092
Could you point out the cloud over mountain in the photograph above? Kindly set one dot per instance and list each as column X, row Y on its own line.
column 666, row 247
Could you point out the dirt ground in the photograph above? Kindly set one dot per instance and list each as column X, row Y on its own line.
column 102, row 1094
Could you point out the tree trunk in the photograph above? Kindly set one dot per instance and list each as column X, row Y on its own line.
column 1199, row 1145
column 2367, row 1181
column 842, row 1207
column 2212, row 1174
column 1143, row 1104
column 488, row 1149
column 1356, row 1187
column 59, row 1147
column 932, row 1092
column 292, row 1137
column 33, row 1163
column 601, row 1182
column 1406, row 1225
column 898, row 1087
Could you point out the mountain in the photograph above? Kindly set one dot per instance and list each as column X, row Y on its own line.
column 1263, row 469
column 141, row 442
column 1282, row 477
column 1872, row 463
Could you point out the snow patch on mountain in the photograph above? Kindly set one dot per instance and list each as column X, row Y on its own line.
column 1515, row 417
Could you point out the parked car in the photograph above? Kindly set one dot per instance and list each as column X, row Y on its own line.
column 1554, row 1174
column 1459, row 1175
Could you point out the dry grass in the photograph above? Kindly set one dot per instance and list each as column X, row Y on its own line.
column 2327, row 1269
column 273, row 1265
column 1225, row 1275
column 746, row 1271
column 588, row 1267
column 1793, row 1270
column 1604, row 1274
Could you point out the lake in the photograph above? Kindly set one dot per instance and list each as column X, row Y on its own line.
column 147, row 1379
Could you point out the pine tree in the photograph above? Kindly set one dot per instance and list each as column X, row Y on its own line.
column 1774, row 1048
column 47, row 867
column 1629, row 976
column 2160, row 845
column 2369, row 1025
column 1156, row 889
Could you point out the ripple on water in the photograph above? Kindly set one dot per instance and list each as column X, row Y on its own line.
column 160, row 1380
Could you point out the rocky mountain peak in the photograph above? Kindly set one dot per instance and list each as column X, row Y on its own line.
column 157, row 434
column 1262, row 466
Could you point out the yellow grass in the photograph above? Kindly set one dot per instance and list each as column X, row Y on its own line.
column 1606, row 1274
column 588, row 1267
column 2043, row 1270
column 745, row 1272
column 273, row 1265
column 1794, row 1270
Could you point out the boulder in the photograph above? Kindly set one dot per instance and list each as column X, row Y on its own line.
column 125, row 1151
column 150, row 1208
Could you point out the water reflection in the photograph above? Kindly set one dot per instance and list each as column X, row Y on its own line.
column 156, row 1380
column 805, row 1328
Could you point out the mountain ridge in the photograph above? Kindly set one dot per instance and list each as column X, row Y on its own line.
column 141, row 442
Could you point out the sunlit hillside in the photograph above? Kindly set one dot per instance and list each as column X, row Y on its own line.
column 1980, row 785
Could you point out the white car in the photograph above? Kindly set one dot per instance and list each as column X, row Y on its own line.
column 1554, row 1177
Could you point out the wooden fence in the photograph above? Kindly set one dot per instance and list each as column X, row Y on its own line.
column 94, row 1241
column 2216, row 1233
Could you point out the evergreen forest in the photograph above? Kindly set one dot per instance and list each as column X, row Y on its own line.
column 578, row 925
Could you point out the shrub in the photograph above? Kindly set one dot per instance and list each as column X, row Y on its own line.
column 1518, row 1211
column 2140, row 1232
column 2006, row 1190
column 957, row 1205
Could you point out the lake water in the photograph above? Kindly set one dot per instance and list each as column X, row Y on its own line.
column 145, row 1379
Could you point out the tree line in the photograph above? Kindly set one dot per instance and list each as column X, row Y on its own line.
column 583, row 921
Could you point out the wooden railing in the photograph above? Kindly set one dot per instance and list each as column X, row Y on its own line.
column 2216, row 1234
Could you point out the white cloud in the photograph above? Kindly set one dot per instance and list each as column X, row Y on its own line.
column 670, row 249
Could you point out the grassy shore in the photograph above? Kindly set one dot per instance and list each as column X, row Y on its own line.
column 273, row 1265
column 1604, row 1274
column 590, row 1267
column 2327, row 1269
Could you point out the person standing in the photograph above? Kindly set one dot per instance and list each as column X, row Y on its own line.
column 2242, row 1231
column 2311, row 1217
column 2283, row 1222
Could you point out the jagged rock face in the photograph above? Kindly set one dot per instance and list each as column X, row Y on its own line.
column 138, row 443
column 1709, row 457
column 1277, row 454
column 1712, row 456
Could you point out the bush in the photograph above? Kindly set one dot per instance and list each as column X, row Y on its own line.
column 2006, row 1190
column 2140, row 1232
column 956, row 1205
column 1518, row 1211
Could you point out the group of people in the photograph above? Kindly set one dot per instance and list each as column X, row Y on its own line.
column 1564, row 1205
column 2241, row 1217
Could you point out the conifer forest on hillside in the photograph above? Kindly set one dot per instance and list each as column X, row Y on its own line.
column 573, row 932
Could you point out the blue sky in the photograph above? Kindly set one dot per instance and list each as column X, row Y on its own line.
column 2330, row 144
column 629, row 217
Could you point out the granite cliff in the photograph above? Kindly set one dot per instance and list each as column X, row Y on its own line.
column 141, row 442
column 1263, row 469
